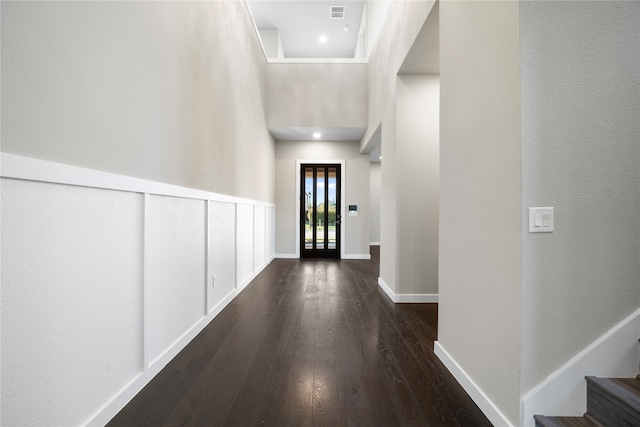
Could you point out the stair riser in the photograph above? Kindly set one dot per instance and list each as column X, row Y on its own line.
column 609, row 410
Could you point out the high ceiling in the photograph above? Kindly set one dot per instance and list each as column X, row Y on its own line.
column 302, row 22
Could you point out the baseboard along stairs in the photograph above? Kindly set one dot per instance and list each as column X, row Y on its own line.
column 611, row 402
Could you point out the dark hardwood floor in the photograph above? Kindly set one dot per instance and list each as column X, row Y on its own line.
column 309, row 342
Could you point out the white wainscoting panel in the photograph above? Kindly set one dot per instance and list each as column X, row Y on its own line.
column 222, row 251
column 175, row 282
column 271, row 237
column 244, row 244
column 71, row 298
column 259, row 237
column 105, row 278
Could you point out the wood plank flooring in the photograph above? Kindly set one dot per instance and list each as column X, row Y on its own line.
column 309, row 342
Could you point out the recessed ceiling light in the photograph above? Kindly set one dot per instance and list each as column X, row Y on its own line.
column 380, row 158
column 317, row 135
column 323, row 39
column 346, row 28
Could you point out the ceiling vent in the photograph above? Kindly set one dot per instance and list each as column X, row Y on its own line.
column 336, row 12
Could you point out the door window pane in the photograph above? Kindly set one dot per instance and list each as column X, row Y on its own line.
column 308, row 208
column 320, row 207
column 332, row 214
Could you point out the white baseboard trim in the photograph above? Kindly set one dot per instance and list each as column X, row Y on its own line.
column 128, row 392
column 286, row 256
column 407, row 298
column 250, row 278
column 216, row 309
column 564, row 392
column 103, row 415
column 374, row 243
column 485, row 404
column 356, row 256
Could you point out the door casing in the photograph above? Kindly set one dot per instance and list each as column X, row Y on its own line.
column 321, row 173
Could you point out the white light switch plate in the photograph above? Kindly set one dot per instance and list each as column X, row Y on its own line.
column 541, row 220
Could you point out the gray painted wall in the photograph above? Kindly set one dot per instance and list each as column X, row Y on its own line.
column 417, row 191
column 167, row 91
column 388, row 211
column 581, row 154
column 374, row 203
column 539, row 107
column 392, row 27
column 305, row 95
column 356, row 174
column 479, row 322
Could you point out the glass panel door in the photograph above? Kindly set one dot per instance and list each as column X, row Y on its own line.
column 320, row 211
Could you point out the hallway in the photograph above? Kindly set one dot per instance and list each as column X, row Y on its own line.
column 311, row 342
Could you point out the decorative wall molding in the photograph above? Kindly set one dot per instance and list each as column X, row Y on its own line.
column 256, row 256
column 103, row 415
column 27, row 168
column 564, row 392
column 485, row 404
column 407, row 298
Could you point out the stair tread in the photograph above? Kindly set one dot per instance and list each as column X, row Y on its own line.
column 631, row 384
column 544, row 421
column 625, row 389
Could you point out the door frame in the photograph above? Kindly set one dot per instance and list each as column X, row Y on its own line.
column 343, row 186
column 320, row 172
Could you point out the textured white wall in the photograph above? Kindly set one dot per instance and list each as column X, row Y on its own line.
column 581, row 154
column 480, row 296
column 71, row 298
column 175, row 256
column 356, row 176
column 305, row 95
column 168, row 91
column 374, row 203
column 417, row 185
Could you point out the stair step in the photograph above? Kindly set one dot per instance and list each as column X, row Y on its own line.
column 614, row 401
column 542, row 421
